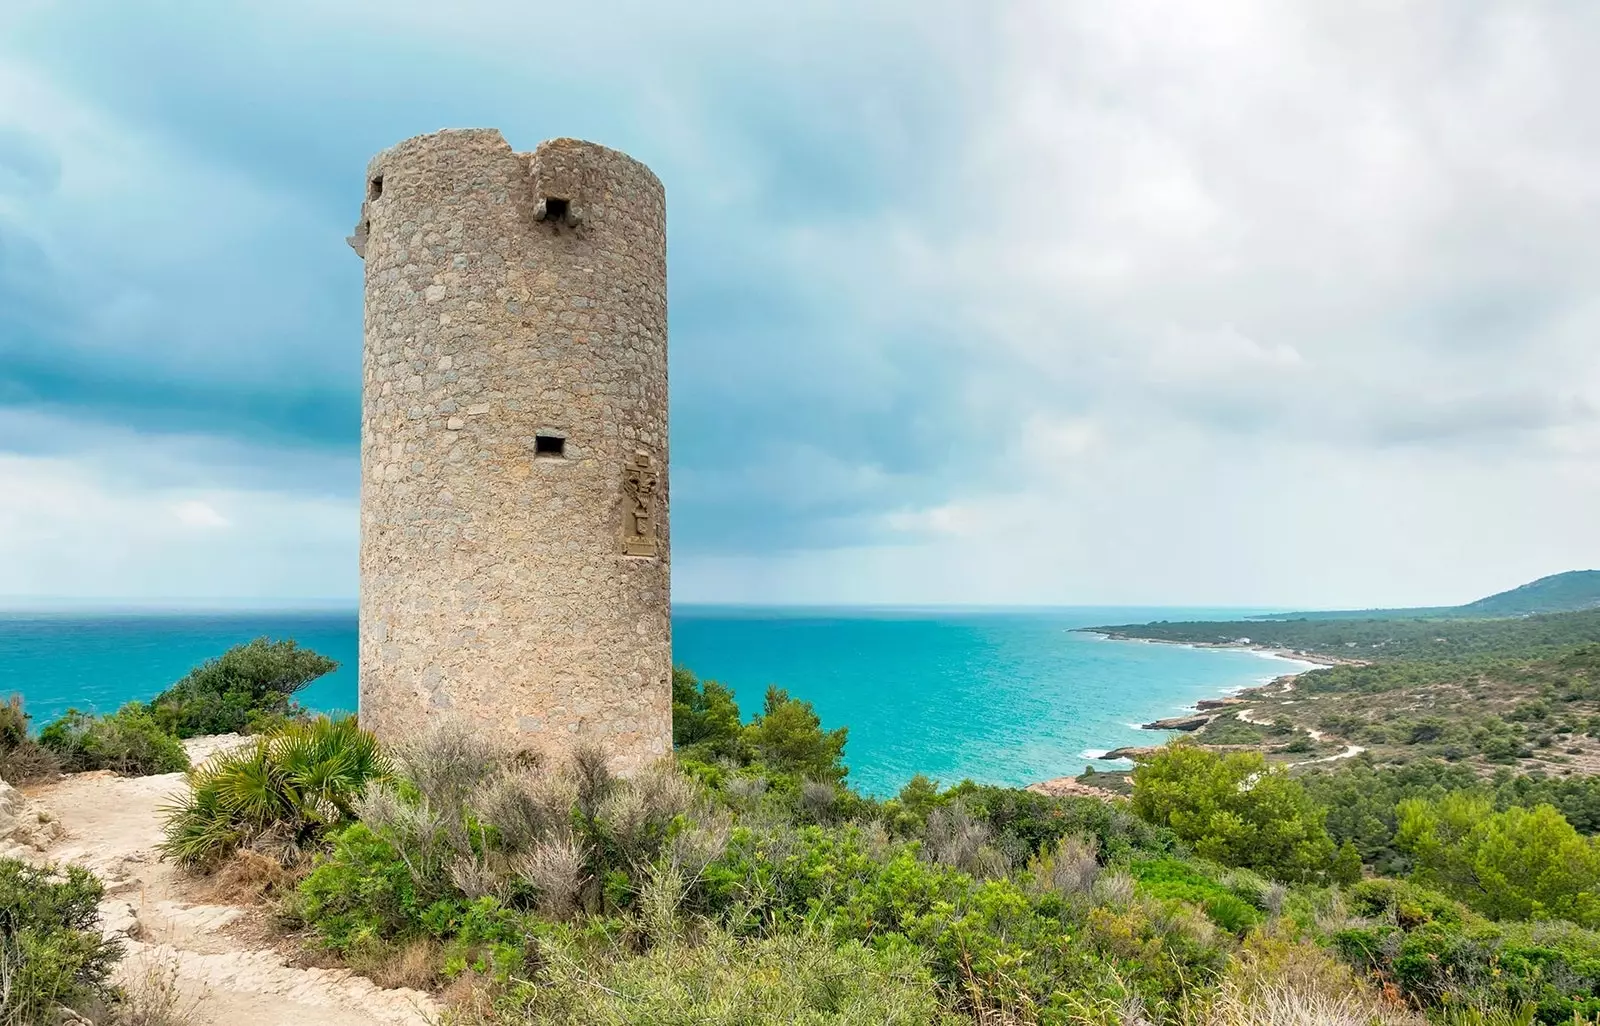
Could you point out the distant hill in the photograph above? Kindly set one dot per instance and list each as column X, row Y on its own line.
column 1386, row 639
column 1568, row 592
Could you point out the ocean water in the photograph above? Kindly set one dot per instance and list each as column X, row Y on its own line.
column 1005, row 697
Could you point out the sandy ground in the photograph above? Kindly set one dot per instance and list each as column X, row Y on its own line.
column 222, row 970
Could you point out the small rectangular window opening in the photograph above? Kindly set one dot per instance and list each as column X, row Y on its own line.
column 555, row 209
column 375, row 187
column 549, row 445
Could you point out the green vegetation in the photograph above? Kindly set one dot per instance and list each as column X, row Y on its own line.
column 1516, row 864
column 746, row 884
column 1474, row 785
column 246, row 689
column 247, row 686
column 803, row 979
column 129, row 741
column 1444, row 956
column 1236, row 810
column 786, row 738
column 1388, row 639
column 1490, row 710
column 22, row 759
column 51, row 953
column 280, row 795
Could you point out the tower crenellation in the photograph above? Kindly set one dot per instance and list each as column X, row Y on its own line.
column 514, row 531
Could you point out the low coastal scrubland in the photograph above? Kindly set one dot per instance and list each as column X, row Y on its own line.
column 744, row 881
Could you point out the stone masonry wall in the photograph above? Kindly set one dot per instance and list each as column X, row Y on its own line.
column 523, row 592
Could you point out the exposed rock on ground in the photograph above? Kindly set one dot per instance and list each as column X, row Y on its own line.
column 1177, row 723
column 26, row 826
column 1067, row 787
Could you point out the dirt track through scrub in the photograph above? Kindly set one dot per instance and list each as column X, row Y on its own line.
column 224, row 973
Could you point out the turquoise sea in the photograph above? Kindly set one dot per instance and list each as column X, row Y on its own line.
column 1006, row 697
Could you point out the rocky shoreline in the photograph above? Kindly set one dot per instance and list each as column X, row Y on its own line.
column 1202, row 712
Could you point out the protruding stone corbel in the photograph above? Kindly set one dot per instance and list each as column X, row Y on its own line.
column 358, row 239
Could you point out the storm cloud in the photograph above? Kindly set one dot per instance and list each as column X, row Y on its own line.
column 1255, row 302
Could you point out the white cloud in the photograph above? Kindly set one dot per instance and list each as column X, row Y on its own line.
column 198, row 514
column 1251, row 301
column 67, row 531
column 1320, row 277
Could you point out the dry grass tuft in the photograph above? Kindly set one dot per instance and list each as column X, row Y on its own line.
column 416, row 965
column 251, row 878
column 954, row 837
column 554, row 866
column 151, row 996
column 1278, row 981
column 1069, row 869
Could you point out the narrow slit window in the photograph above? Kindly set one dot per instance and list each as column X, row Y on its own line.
column 375, row 187
column 549, row 445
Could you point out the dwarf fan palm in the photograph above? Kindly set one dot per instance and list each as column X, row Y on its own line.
column 288, row 787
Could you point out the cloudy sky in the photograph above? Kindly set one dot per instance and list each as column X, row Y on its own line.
column 1255, row 303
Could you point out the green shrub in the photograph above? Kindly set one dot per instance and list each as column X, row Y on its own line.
column 1442, row 955
column 51, row 952
column 994, row 947
column 129, row 741
column 1175, row 879
column 785, row 739
column 1025, row 823
column 788, row 739
column 281, row 794
column 247, row 684
column 1516, row 864
column 704, row 716
column 1236, row 810
column 362, row 891
column 22, row 759
column 806, row 980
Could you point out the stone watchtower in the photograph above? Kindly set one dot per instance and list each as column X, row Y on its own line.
column 514, row 549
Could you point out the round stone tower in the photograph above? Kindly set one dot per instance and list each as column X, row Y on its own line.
column 514, row 548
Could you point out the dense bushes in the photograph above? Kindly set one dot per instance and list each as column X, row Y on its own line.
column 802, row 979
column 279, row 795
column 785, row 740
column 129, row 741
column 982, row 901
column 705, row 718
column 747, row 885
column 461, row 824
column 245, row 689
column 247, row 686
column 1362, row 800
column 51, row 953
column 22, row 759
column 1236, row 810
column 1516, row 864
column 1441, row 955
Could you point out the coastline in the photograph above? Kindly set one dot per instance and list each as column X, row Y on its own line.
column 1293, row 654
column 1201, row 708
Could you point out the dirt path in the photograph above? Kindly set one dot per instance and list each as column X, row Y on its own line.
column 112, row 825
column 1350, row 751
